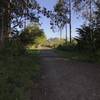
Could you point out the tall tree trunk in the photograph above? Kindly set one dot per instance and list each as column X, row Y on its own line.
column 66, row 33
column 7, row 21
column 70, row 24
column 26, row 11
column 60, row 33
column 91, row 27
column 2, row 31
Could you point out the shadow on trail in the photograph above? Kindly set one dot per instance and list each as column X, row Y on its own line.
column 49, row 53
column 63, row 79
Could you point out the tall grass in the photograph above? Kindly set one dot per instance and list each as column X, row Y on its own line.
column 18, row 69
column 72, row 52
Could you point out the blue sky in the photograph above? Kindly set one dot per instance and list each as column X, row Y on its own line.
column 45, row 22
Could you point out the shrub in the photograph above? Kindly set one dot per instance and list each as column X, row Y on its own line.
column 13, row 47
column 67, row 46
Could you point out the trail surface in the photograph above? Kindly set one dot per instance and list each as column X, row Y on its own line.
column 63, row 79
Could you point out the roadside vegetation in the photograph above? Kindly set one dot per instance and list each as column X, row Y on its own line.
column 54, row 42
column 83, row 47
column 19, row 61
column 17, row 74
column 19, row 65
column 79, row 49
column 77, row 55
column 33, row 36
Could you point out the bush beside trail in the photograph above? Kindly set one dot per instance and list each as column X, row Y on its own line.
column 19, row 68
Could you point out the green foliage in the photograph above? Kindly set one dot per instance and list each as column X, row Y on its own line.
column 97, row 38
column 88, row 38
column 96, row 24
column 31, row 35
column 54, row 42
column 17, row 74
column 67, row 46
column 72, row 51
column 40, row 41
column 13, row 47
column 60, row 18
column 75, row 55
column 84, row 39
column 18, row 69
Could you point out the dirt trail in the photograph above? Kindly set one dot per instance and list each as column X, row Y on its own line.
column 63, row 79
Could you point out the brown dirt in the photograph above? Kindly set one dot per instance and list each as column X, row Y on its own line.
column 63, row 79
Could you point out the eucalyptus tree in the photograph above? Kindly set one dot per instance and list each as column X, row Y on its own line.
column 70, row 20
column 60, row 16
column 4, row 19
column 14, row 13
column 96, row 25
column 86, row 8
column 97, row 15
column 92, row 15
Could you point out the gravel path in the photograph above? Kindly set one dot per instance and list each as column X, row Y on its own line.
column 63, row 79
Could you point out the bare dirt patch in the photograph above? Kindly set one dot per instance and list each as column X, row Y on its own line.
column 63, row 79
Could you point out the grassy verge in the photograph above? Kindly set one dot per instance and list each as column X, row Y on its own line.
column 78, row 56
column 17, row 74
